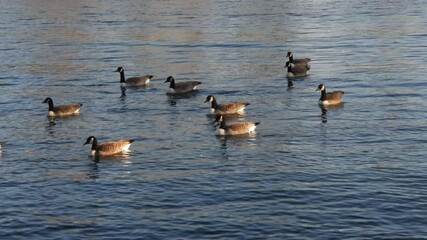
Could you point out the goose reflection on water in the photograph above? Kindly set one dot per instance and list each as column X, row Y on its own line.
column 123, row 90
column 325, row 109
column 172, row 98
column 124, row 158
column 1, row 147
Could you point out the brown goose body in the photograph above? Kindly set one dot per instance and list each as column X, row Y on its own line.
column 62, row 110
column 296, row 71
column 108, row 148
column 181, row 87
column 237, row 128
column 225, row 108
column 329, row 98
column 303, row 62
column 133, row 81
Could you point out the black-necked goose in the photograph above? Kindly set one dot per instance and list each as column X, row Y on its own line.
column 108, row 148
column 330, row 98
column 133, row 81
column 236, row 128
column 181, row 87
column 225, row 107
column 295, row 71
column 305, row 62
column 63, row 110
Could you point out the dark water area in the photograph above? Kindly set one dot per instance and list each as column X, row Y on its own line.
column 357, row 171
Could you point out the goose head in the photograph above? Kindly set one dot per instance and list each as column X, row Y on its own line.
column 209, row 98
column 119, row 69
column 90, row 140
column 321, row 87
column 48, row 100
column 169, row 79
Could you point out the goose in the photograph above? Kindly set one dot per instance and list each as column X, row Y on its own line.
column 295, row 71
column 133, row 81
column 182, row 87
column 225, row 107
column 108, row 148
column 237, row 128
column 305, row 62
column 63, row 110
column 331, row 98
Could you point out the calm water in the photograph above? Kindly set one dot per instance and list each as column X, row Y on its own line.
column 354, row 172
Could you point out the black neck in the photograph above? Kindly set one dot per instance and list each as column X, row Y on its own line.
column 122, row 76
column 289, row 67
column 323, row 95
column 94, row 144
column 50, row 105
column 223, row 125
column 214, row 104
column 291, row 58
column 172, row 83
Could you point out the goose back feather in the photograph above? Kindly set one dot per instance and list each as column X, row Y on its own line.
column 62, row 110
column 108, row 148
column 329, row 98
column 133, row 81
column 237, row 128
column 296, row 71
column 304, row 62
column 181, row 87
column 225, row 108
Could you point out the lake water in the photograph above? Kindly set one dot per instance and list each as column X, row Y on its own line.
column 354, row 172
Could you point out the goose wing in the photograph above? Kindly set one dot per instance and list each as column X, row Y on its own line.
column 301, row 61
column 67, row 109
column 138, row 81
column 186, row 86
column 334, row 96
column 299, row 69
column 231, row 107
column 113, row 147
column 241, row 127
